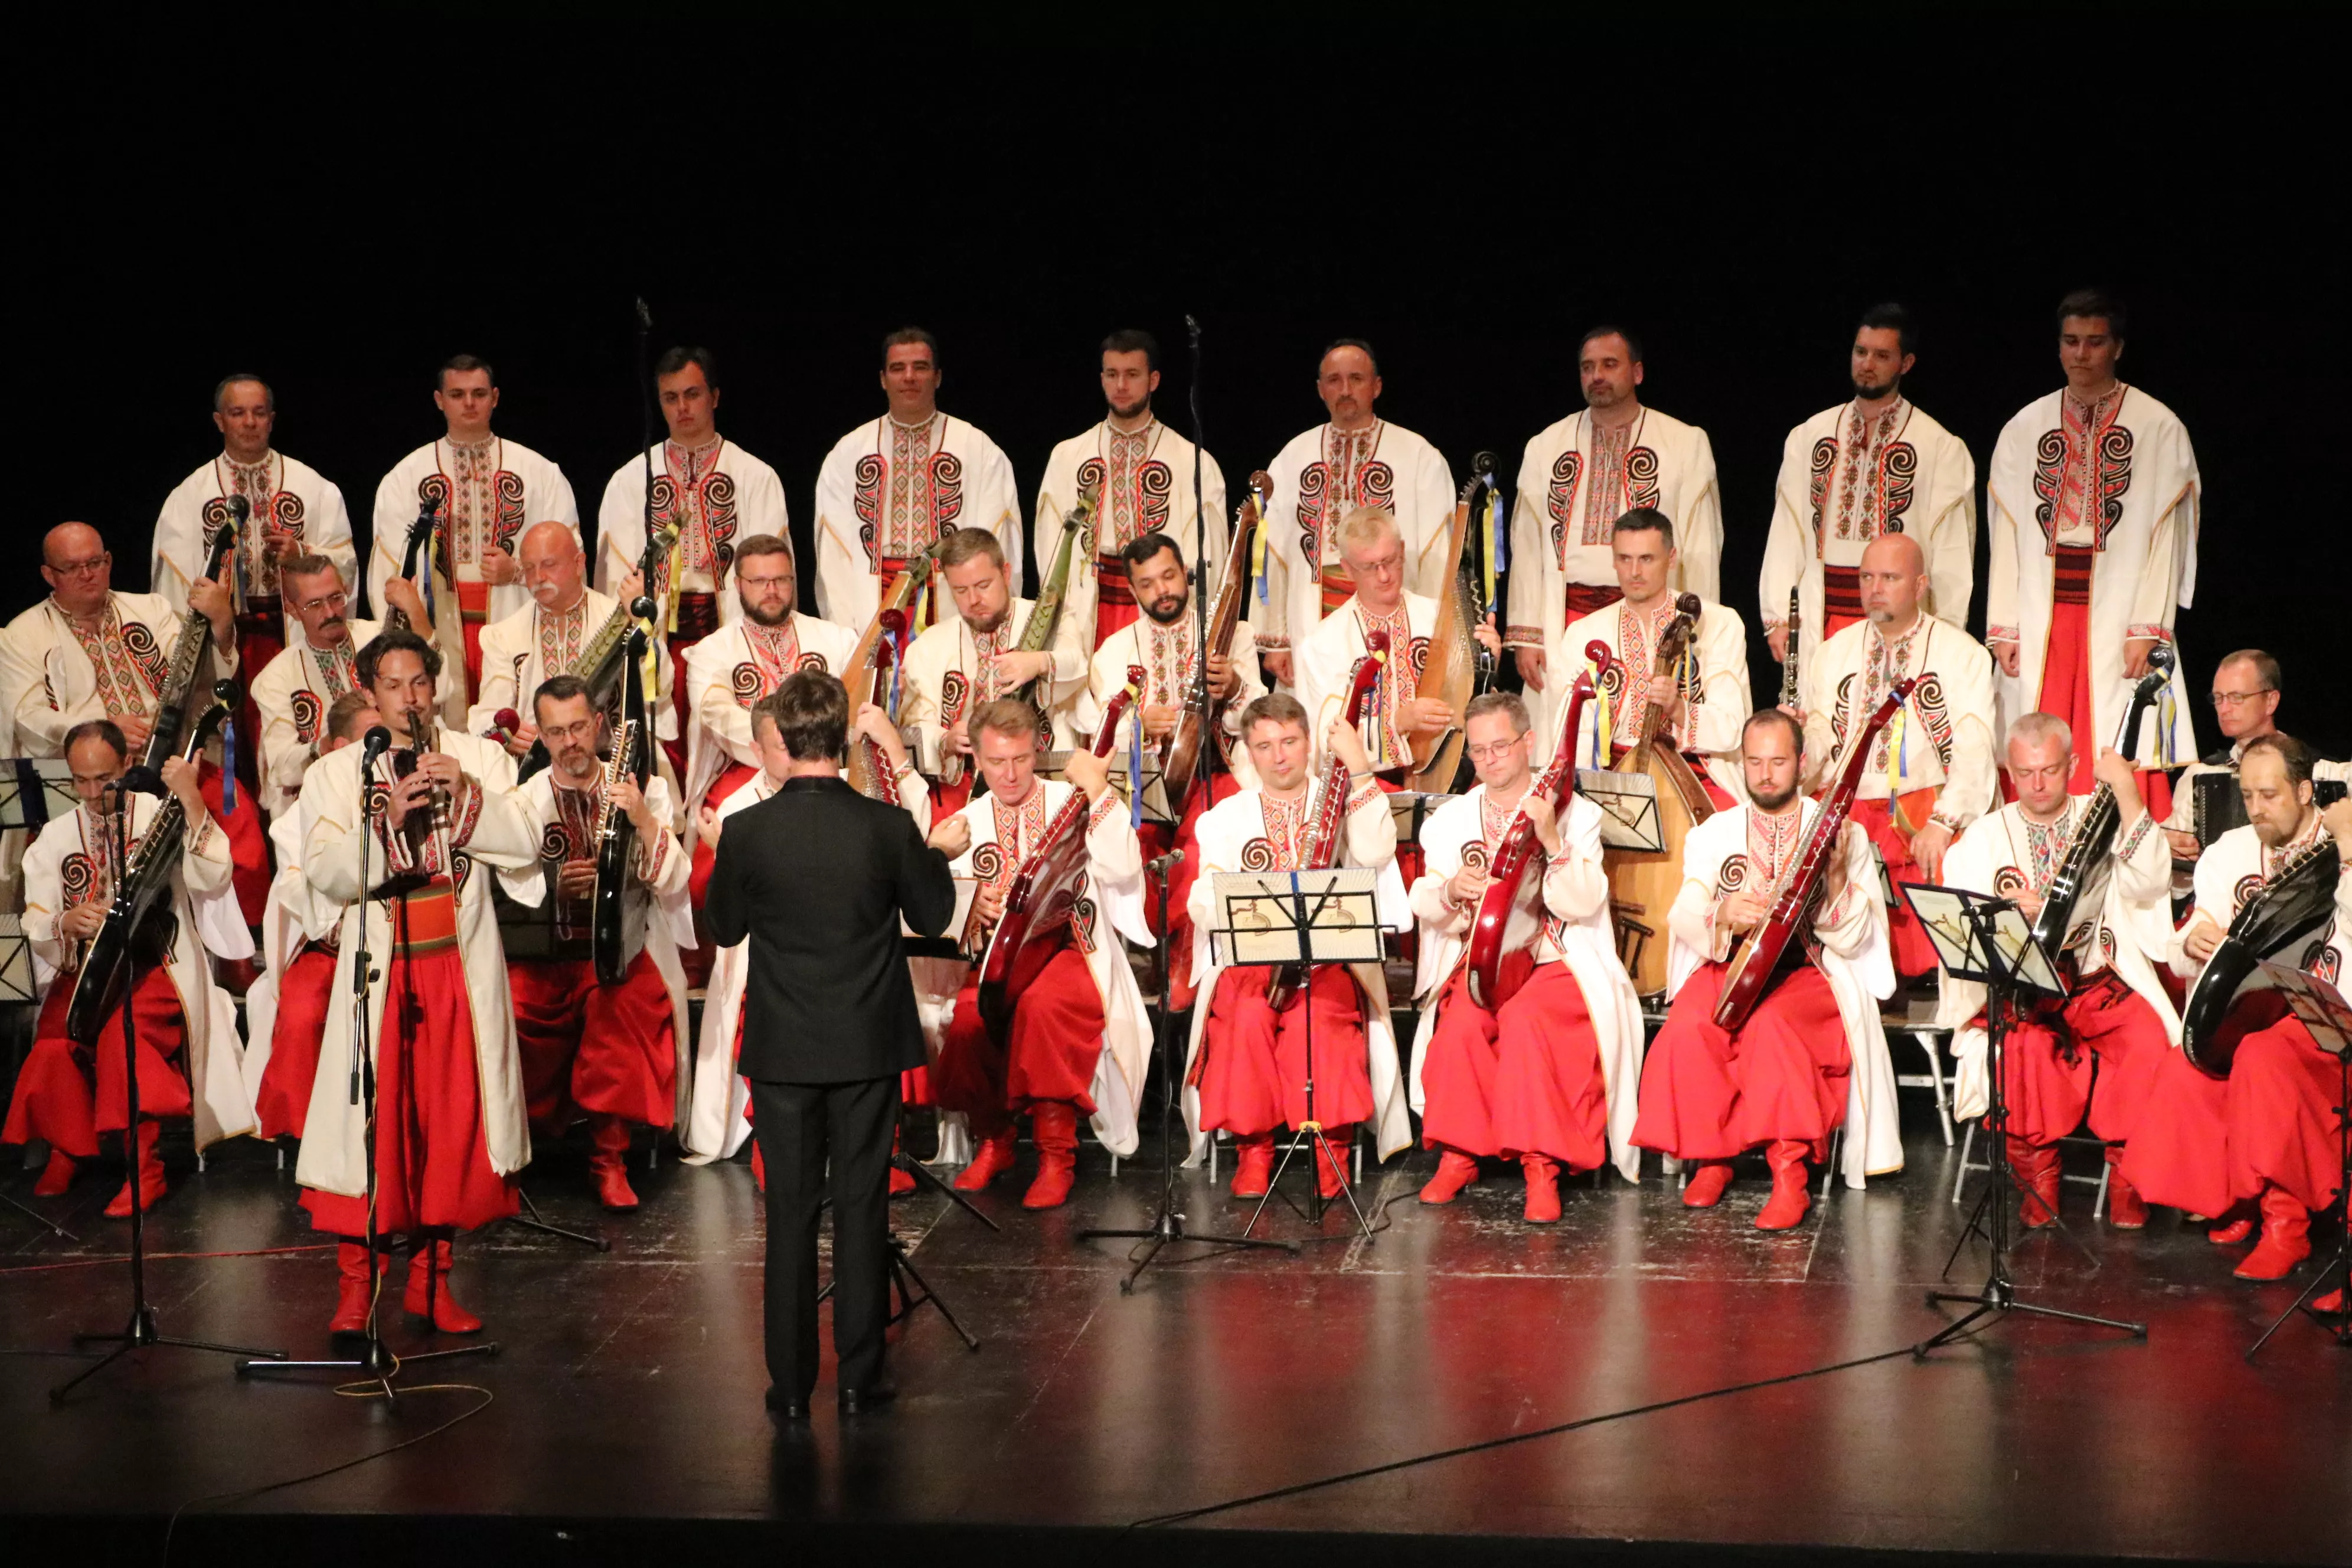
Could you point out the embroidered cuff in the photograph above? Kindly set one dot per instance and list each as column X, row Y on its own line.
column 1100, row 812
column 203, row 836
column 2149, row 629
column 466, row 815
column 1363, row 797
column 656, row 852
column 2001, row 634
column 2138, row 834
column 1273, row 645
column 1523, row 636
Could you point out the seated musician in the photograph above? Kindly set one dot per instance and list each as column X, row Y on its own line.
column 68, row 1094
column 1160, row 642
column 2247, row 692
column 964, row 661
column 1079, row 1039
column 1703, row 701
column 286, row 1008
column 1812, row 1054
column 2260, row 1146
column 1533, row 1079
column 2115, row 1012
column 1248, row 1062
column 293, row 693
column 606, row 1052
column 451, row 1125
column 548, row 636
column 1931, row 770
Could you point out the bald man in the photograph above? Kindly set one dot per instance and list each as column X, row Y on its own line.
column 1932, row 771
column 549, row 635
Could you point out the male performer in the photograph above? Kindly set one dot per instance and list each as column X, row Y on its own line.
column 1163, row 644
column 2262, row 1143
column 2091, row 504
column 1578, row 477
column 830, row 1025
column 2115, row 1012
column 2246, row 698
column 1860, row 471
column 609, row 1051
column 1704, row 698
column 290, row 510
column 891, row 489
column 483, row 491
column 709, row 489
column 449, row 1125
column 1931, row 771
column 1145, row 472
column 1352, row 461
column 1247, row 1068
column 549, row 636
column 1079, row 1040
column 1812, row 1056
column 301, row 933
column 87, row 652
column 68, row 1094
column 973, row 656
column 1548, row 1077
column 317, row 666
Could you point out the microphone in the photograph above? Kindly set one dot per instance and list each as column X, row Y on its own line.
column 377, row 742
column 1165, row 863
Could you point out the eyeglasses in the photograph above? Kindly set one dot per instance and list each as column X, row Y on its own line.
column 1493, row 750
column 2239, row 699
column 761, row 584
column 338, row 603
column 89, row 568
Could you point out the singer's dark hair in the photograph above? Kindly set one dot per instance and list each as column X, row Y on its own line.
column 309, row 565
column 1144, row 546
column 675, row 360
column 1276, row 708
column 2095, row 304
column 1504, row 702
column 905, row 335
column 761, row 544
column 1336, row 344
column 105, row 729
column 1609, row 329
column 342, row 718
column 392, row 640
column 1008, row 716
column 811, row 713
column 220, row 392
column 2286, row 748
column 462, row 364
column 1890, row 317
column 1134, row 340
column 1775, row 716
column 560, row 688
column 1645, row 520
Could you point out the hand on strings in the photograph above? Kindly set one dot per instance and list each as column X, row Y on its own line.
column 988, row 904
column 1159, row 718
column 214, row 602
column 874, row 723
column 180, row 776
column 1543, row 820
column 630, row 802
column 1778, row 638
column 1279, row 666
column 1792, row 711
column 1224, row 679
column 1466, row 886
column 136, row 729
column 2202, row 938
column 576, row 880
column 499, row 567
column 1347, row 745
column 82, row 921
column 1428, row 715
column 1667, row 697
column 1530, row 661
column 1088, row 772
column 1487, row 637
column 2116, row 771
column 1833, row 873
column 630, row 588
column 953, row 836
column 401, row 594
column 1742, row 910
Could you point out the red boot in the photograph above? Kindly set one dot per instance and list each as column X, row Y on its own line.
column 1542, row 1172
column 1331, row 1169
column 2286, row 1236
column 56, row 1175
column 1705, row 1186
column 1455, row 1171
column 2330, row 1305
column 1254, row 1172
column 2230, row 1232
column 351, row 1288
column 428, row 1276
column 608, row 1167
column 990, row 1160
column 152, row 1185
column 2127, row 1210
column 2038, row 1177
column 901, row 1182
column 1791, row 1196
column 1054, row 1128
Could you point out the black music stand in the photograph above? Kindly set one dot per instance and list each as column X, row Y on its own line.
column 2329, row 1018
column 1989, row 941
column 1276, row 920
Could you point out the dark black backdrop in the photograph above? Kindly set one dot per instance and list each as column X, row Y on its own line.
column 337, row 213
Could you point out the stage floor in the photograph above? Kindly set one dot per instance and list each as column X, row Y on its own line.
column 627, row 1416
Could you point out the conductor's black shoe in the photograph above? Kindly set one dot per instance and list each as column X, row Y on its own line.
column 790, row 1407
column 865, row 1401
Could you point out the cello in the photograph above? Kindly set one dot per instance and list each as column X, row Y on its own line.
column 1642, row 883
column 1504, row 926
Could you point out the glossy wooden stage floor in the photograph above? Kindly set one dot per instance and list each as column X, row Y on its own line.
column 628, row 1417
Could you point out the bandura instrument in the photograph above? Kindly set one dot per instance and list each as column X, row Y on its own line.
column 1451, row 664
column 2298, row 901
column 1181, row 762
column 1792, row 690
column 1045, row 614
column 448, row 631
column 1504, row 926
column 617, row 836
column 140, row 925
column 876, row 651
column 420, row 534
column 1758, row 955
column 1327, row 818
column 1642, row 884
column 196, row 640
column 2079, row 883
column 1044, row 893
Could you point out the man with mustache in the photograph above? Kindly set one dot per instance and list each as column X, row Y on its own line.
column 317, row 666
column 548, row 636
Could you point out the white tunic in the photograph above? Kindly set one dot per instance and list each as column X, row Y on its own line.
column 525, row 649
column 950, row 672
column 2121, row 479
column 888, row 491
column 68, row 865
column 1571, row 900
column 1165, row 656
column 2004, row 854
column 292, row 696
column 1318, row 479
column 1147, row 488
column 2233, row 869
column 54, row 677
column 282, row 494
column 718, row 497
column 727, row 674
column 1843, row 483
column 485, row 495
column 1713, row 685
column 1941, row 738
column 1327, row 656
column 1853, row 956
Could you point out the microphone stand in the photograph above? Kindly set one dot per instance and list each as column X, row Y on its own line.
column 141, row 1330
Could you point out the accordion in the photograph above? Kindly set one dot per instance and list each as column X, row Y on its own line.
column 2215, row 805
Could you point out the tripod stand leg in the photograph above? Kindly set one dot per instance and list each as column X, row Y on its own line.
column 39, row 1218
column 923, row 1172
column 904, row 1271
column 531, row 1219
column 1974, row 1228
column 1346, row 1188
column 2337, row 1268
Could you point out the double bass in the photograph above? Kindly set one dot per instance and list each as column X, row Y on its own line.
column 1327, row 821
column 1181, row 763
column 1045, row 892
column 1503, row 925
column 1642, row 883
column 1451, row 664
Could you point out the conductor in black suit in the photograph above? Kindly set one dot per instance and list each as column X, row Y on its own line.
column 818, row 877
